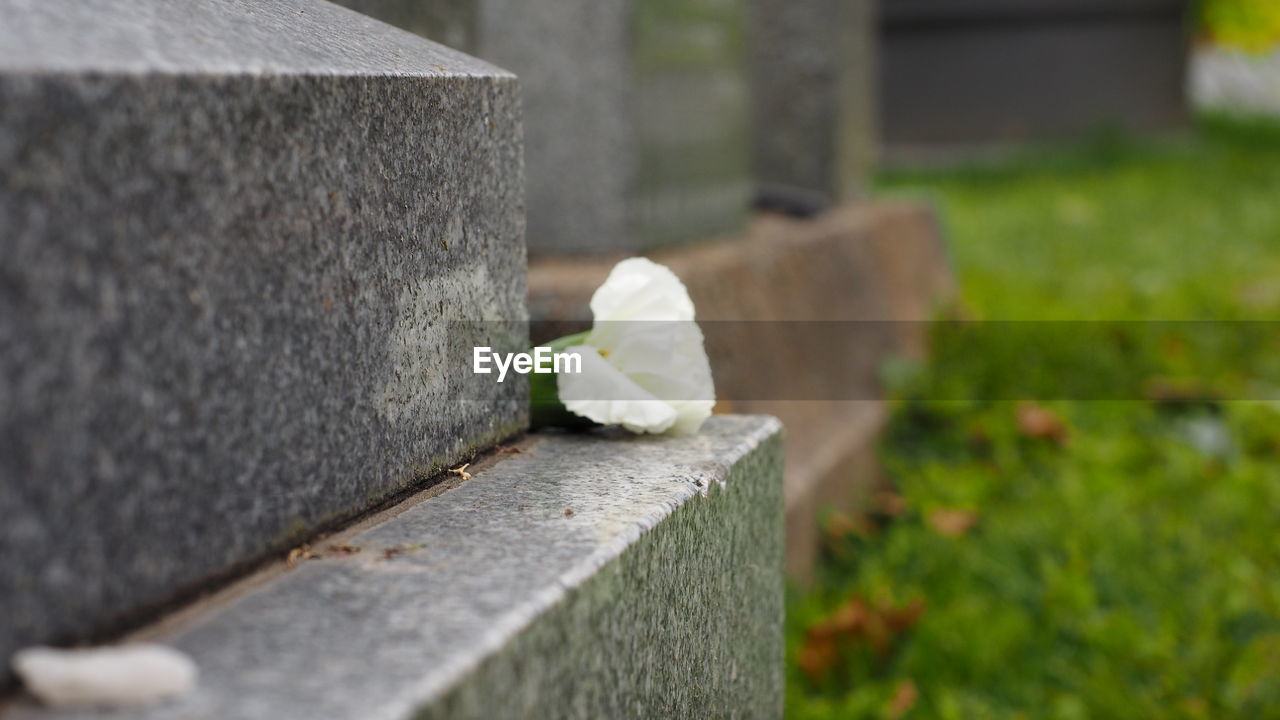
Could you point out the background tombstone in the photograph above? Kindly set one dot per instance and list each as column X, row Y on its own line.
column 813, row 99
column 961, row 75
column 236, row 235
column 636, row 111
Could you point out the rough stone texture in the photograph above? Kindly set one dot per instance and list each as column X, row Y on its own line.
column 871, row 274
column 813, row 95
column 661, row 595
column 234, row 233
column 636, row 130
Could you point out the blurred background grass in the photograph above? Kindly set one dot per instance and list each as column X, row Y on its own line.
column 1252, row 25
column 1074, row 559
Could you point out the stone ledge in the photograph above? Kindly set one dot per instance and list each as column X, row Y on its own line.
column 661, row 593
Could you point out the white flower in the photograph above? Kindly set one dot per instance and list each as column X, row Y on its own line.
column 127, row 675
column 643, row 363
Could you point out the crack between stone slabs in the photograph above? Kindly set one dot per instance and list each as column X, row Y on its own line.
column 152, row 623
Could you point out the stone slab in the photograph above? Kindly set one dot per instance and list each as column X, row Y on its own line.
column 813, row 97
column 637, row 111
column 660, row 595
column 234, row 232
column 947, row 82
column 873, row 273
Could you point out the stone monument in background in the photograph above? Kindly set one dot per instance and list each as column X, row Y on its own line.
column 962, row 77
column 813, row 100
column 636, row 122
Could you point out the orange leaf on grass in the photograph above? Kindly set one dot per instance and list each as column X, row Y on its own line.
column 952, row 522
column 904, row 698
column 1037, row 421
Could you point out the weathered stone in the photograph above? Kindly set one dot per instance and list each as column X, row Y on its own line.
column 234, row 234
column 831, row 299
column 813, row 97
column 636, row 131
column 597, row 575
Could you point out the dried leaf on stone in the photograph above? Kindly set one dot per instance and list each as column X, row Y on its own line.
column 342, row 549
column 395, row 550
column 952, row 522
column 298, row 554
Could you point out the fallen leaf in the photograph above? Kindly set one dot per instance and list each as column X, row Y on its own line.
column 952, row 522
column 816, row 658
column 568, row 512
column 900, row 619
column 838, row 525
column 852, row 622
column 1037, row 421
column 395, row 550
column 298, row 554
column 904, row 698
column 891, row 503
column 342, row 549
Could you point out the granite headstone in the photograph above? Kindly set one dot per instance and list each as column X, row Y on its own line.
column 235, row 234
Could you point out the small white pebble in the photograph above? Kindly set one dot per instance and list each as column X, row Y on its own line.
column 124, row 675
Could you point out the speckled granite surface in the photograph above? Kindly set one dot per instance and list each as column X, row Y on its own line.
column 234, row 233
column 659, row 596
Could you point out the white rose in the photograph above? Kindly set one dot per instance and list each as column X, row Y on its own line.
column 644, row 366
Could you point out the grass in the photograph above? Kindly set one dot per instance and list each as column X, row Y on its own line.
column 1063, row 557
column 1250, row 25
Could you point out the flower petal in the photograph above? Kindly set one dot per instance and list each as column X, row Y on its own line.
column 127, row 675
column 640, row 289
column 601, row 393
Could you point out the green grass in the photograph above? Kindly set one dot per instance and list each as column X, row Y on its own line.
column 1251, row 25
column 1076, row 558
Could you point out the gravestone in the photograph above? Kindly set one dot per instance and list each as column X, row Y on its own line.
column 813, row 98
column 235, row 236
column 590, row 575
column 955, row 76
column 636, row 111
